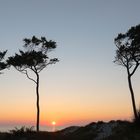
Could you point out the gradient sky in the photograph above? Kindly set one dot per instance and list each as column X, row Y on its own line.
column 85, row 85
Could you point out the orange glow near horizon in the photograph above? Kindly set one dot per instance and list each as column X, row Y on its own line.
column 64, row 120
column 66, row 117
column 63, row 109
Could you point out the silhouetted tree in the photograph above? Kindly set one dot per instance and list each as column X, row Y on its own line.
column 128, row 55
column 34, row 59
column 3, row 65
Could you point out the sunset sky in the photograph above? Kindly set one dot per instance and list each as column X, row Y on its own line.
column 85, row 85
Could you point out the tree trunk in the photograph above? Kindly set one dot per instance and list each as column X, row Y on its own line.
column 37, row 102
column 132, row 96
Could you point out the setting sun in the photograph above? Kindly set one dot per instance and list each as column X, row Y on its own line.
column 53, row 123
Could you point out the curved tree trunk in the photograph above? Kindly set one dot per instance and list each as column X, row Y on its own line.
column 37, row 102
column 132, row 96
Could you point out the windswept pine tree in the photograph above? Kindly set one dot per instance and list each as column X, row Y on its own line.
column 34, row 59
column 128, row 56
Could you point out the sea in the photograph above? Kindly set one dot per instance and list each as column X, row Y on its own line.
column 8, row 128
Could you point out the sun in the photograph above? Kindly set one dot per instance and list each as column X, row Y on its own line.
column 53, row 123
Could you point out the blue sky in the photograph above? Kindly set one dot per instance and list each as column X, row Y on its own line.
column 86, row 75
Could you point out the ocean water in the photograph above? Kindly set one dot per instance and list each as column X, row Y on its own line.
column 8, row 127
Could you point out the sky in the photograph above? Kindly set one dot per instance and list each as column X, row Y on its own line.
column 85, row 85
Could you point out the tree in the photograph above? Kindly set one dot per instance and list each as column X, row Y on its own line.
column 3, row 65
column 128, row 55
column 34, row 60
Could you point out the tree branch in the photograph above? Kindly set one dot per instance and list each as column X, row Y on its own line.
column 137, row 64
column 26, row 73
column 42, row 68
column 51, row 62
column 30, row 77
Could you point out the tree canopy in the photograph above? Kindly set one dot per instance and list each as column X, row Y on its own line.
column 36, row 55
column 128, row 48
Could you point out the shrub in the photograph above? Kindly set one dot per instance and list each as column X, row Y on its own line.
column 21, row 131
